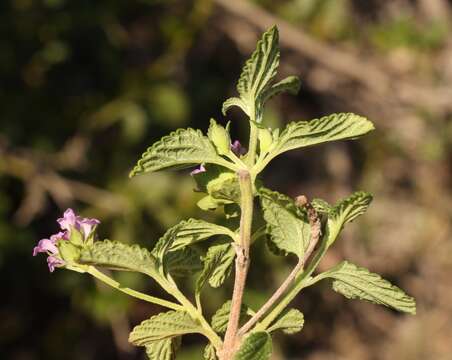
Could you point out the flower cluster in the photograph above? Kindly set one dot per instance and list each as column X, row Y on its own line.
column 75, row 229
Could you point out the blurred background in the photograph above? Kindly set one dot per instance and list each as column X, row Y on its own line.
column 86, row 86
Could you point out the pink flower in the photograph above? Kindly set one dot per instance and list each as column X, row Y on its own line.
column 71, row 221
column 54, row 262
column 45, row 246
column 237, row 148
column 49, row 247
column 199, row 170
column 87, row 226
column 68, row 223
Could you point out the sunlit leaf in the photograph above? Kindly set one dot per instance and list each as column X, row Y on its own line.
column 359, row 283
column 187, row 232
column 217, row 265
column 290, row 322
column 346, row 211
column 287, row 226
column 343, row 126
column 164, row 326
column 120, row 256
column 290, row 84
column 180, row 149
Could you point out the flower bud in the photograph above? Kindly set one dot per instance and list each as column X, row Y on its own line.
column 68, row 251
column 220, row 137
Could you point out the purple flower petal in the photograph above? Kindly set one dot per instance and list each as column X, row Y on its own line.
column 199, row 170
column 87, row 225
column 54, row 262
column 237, row 148
column 68, row 220
column 45, row 246
column 62, row 235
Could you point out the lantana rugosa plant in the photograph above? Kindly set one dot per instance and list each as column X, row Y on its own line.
column 228, row 175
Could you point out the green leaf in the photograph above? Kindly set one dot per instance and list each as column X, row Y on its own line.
column 350, row 208
column 256, row 346
column 287, row 225
column 225, row 188
column 291, row 84
column 359, row 283
column 188, row 232
column 261, row 68
column 345, row 211
column 119, row 256
column 220, row 185
column 221, row 317
column 217, row 265
column 343, row 126
column 290, row 322
column 180, row 149
column 257, row 75
column 164, row 326
column 210, row 353
column 208, row 203
column 233, row 101
column 163, row 349
column 321, row 206
column 182, row 262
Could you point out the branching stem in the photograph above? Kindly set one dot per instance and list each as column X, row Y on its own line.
column 315, row 224
column 136, row 294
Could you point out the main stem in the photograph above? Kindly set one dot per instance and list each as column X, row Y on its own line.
column 241, row 265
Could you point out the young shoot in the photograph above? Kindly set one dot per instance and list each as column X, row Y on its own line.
column 228, row 175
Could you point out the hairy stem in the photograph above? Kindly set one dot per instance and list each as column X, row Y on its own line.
column 139, row 295
column 171, row 288
column 302, row 280
column 194, row 312
column 251, row 156
column 241, row 264
column 315, row 224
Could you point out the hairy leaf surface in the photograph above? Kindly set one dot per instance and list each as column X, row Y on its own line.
column 333, row 127
column 287, row 226
column 163, row 349
column 221, row 317
column 346, row 211
column 257, row 75
column 187, row 232
column 355, row 282
column 182, row 262
column 116, row 255
column 256, row 346
column 217, row 265
column 290, row 84
column 164, row 326
column 180, row 149
column 290, row 322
